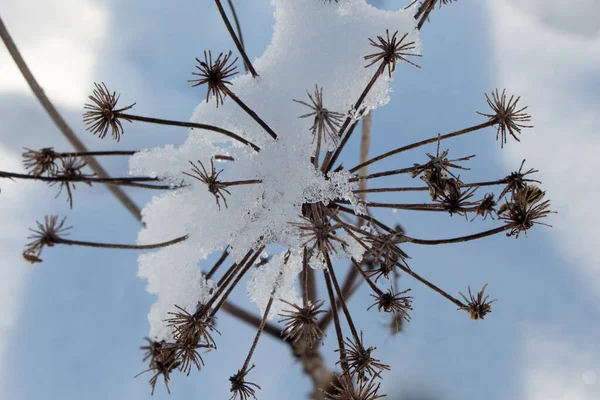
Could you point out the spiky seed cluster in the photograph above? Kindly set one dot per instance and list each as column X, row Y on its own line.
column 215, row 74
column 242, row 388
column 42, row 162
column 524, row 210
column 516, row 180
column 318, row 230
column 163, row 361
column 477, row 306
column 191, row 333
column 324, row 121
column 71, row 167
column 437, row 173
column 301, row 323
column 46, row 234
column 103, row 116
column 344, row 388
column 195, row 326
column 360, row 362
column 506, row 116
column 211, row 179
column 385, row 253
column 392, row 51
column 394, row 303
column 486, row 207
column 456, row 200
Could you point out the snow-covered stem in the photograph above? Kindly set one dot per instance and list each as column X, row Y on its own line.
column 184, row 124
column 250, row 112
column 218, row 263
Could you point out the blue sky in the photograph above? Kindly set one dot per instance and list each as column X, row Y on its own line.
column 70, row 327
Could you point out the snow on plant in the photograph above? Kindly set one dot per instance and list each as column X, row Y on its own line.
column 259, row 172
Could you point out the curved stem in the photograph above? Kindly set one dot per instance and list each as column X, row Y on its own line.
column 192, row 125
column 459, row 239
column 70, row 242
column 422, row 143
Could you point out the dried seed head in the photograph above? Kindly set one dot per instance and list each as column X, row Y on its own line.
column 523, row 211
column 325, row 121
column 301, row 323
column 392, row 51
column 477, row 307
column 41, row 162
column 360, row 362
column 456, row 201
column 187, row 355
column 242, row 388
column 192, row 328
column 516, row 180
column 215, row 74
column 506, row 115
column 102, row 116
column 395, row 303
column 211, row 179
column 343, row 388
column 438, row 167
column 47, row 234
column 318, row 230
column 486, row 207
column 385, row 253
column 71, row 167
column 162, row 362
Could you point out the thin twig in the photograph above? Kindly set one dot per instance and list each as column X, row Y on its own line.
column 237, row 42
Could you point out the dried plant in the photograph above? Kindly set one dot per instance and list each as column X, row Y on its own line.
column 215, row 75
column 477, row 307
column 293, row 193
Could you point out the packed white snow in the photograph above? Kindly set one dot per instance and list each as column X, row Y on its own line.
column 314, row 43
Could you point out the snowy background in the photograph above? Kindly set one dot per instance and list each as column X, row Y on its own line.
column 70, row 327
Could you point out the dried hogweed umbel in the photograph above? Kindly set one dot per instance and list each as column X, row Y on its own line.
column 288, row 196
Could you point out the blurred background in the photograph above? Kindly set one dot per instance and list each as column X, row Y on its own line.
column 70, row 327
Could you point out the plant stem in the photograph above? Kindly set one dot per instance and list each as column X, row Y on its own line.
column 61, row 123
column 459, row 239
column 237, row 42
column 336, row 321
column 70, row 242
column 250, row 112
column 238, row 29
column 218, row 263
column 422, row 143
column 126, row 181
column 192, row 125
